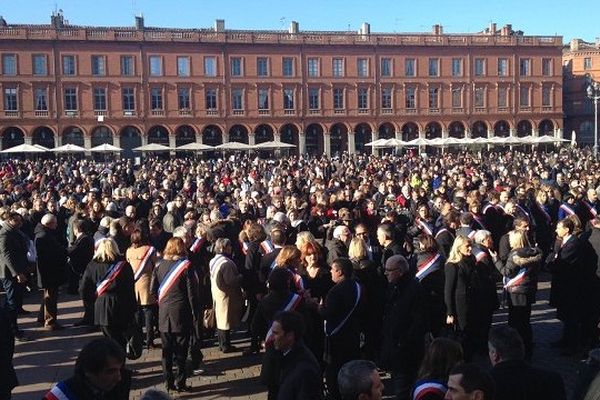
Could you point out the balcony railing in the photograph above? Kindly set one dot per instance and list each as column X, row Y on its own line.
column 387, row 111
column 41, row 113
column 289, row 112
column 157, row 113
column 71, row 113
column 239, row 112
column 11, row 114
column 129, row 113
column 212, row 113
column 264, row 112
column 339, row 111
column 100, row 113
column 185, row 112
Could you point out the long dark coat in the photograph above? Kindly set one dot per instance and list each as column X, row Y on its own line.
column 51, row 258
column 461, row 292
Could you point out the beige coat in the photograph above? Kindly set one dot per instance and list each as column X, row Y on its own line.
column 142, row 286
column 225, row 283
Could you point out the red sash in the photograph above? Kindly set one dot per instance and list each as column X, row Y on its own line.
column 110, row 276
column 140, row 269
column 171, row 278
column 291, row 305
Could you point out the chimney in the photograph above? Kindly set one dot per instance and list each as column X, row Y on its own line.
column 438, row 29
column 506, row 30
column 3, row 22
column 492, row 28
column 574, row 44
column 294, row 27
column 220, row 25
column 57, row 20
column 139, row 22
column 365, row 28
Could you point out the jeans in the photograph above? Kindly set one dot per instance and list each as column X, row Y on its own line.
column 14, row 300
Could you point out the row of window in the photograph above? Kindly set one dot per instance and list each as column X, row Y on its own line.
column 314, row 98
column 263, row 68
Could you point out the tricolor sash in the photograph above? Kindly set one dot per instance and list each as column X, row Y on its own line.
column 197, row 244
column 297, row 281
column 60, row 391
column 140, row 269
column 442, row 230
column 479, row 254
column 244, row 247
column 216, row 263
column 171, row 278
column 522, row 209
column 487, row 207
column 567, row 209
column 479, row 221
column 291, row 305
column 109, row 277
column 501, row 208
column 590, row 208
column 429, row 387
column 542, row 209
column 517, row 279
column 425, row 227
column 431, row 265
column 341, row 324
column 471, row 234
column 267, row 246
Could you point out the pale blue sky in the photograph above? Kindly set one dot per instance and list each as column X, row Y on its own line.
column 569, row 18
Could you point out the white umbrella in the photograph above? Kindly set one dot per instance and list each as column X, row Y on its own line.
column 377, row 143
column 397, row 142
column 106, row 148
column 23, row 148
column 549, row 139
column 418, row 142
column 274, row 144
column 195, row 146
column 452, row 141
column 497, row 140
column 39, row 146
column 234, row 146
column 437, row 142
column 69, row 148
column 528, row 139
column 152, row 147
column 479, row 140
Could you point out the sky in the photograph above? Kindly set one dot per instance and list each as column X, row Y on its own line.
column 567, row 18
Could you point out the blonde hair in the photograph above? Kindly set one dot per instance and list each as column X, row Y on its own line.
column 107, row 251
column 357, row 249
column 517, row 239
column 304, row 237
column 455, row 254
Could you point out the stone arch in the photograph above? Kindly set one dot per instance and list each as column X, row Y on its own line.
column 289, row 133
column 433, row 130
column 456, row 129
column 410, row 131
column 44, row 136
column 362, row 135
column 479, row 129
column 12, row 136
column 501, row 128
column 386, row 131
column 100, row 135
column 73, row 135
column 212, row 135
column 238, row 133
column 314, row 139
column 158, row 134
column 524, row 128
column 130, row 137
column 338, row 138
column 546, row 127
column 184, row 134
column 263, row 133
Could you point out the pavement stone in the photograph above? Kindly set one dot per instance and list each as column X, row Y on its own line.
column 50, row 356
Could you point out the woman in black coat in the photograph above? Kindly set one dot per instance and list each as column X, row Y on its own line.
column 462, row 295
column 109, row 280
column 521, row 278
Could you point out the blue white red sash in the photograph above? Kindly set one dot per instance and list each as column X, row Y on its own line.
column 522, row 209
column 487, row 207
column 542, row 209
column 567, row 209
column 60, row 391
column 479, row 221
column 429, row 387
column 442, row 230
column 197, row 244
column 171, row 278
column 149, row 253
column 471, row 234
column 110, row 276
column 267, row 246
column 479, row 254
column 590, row 208
column 517, row 279
column 501, row 208
column 297, row 281
column 341, row 324
column 291, row 305
column 216, row 263
column 244, row 247
column 425, row 227
column 431, row 265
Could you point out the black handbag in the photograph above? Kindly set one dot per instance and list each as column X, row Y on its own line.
column 135, row 341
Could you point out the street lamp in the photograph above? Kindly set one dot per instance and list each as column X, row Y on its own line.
column 593, row 93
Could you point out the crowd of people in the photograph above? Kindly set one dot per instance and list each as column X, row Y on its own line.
column 343, row 267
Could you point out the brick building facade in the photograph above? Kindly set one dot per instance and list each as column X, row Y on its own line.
column 323, row 91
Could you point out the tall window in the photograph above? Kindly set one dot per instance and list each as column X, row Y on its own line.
column 99, row 99
column 363, row 98
column 479, row 97
column 524, row 96
column 386, row 67
column 263, row 99
column 68, row 65
column 127, row 66
column 456, row 97
column 338, row 99
column 288, row 99
column 457, row 67
column 386, row 97
column 183, row 98
column 262, row 66
column 10, row 99
column 503, row 67
column 287, row 67
column 211, row 99
column 410, row 67
column 546, row 96
column 210, row 66
column 313, row 99
column 156, row 98
column 502, row 97
column 313, row 67
column 156, row 66
column 9, row 64
column 40, row 66
column 237, row 99
column 525, row 67
column 410, row 97
column 70, row 99
column 479, row 67
column 587, row 63
column 128, row 99
column 434, row 98
column 41, row 99
column 236, row 66
column 546, row 66
column 434, row 67
column 183, row 66
column 98, row 65
column 338, row 67
column 362, row 65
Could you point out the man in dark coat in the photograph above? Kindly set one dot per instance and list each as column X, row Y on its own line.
column 337, row 247
column 390, row 247
column 404, row 326
column 13, row 265
column 51, row 264
column 8, row 377
column 80, row 254
column 514, row 378
column 300, row 374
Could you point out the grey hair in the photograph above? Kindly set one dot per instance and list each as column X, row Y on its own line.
column 48, row 219
column 180, row 232
column 221, row 245
column 481, row 235
column 153, row 394
column 355, row 379
column 339, row 231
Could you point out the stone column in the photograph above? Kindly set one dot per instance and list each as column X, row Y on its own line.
column 277, row 136
column 58, row 140
column 87, row 143
column 251, row 139
column 327, row 143
column 225, row 136
column 302, row 143
column 468, row 133
column 28, row 139
column 199, row 138
column 559, row 133
column 444, row 133
column 351, row 143
column 116, row 140
column 536, row 132
column 172, row 144
column 144, row 139
column 512, row 132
